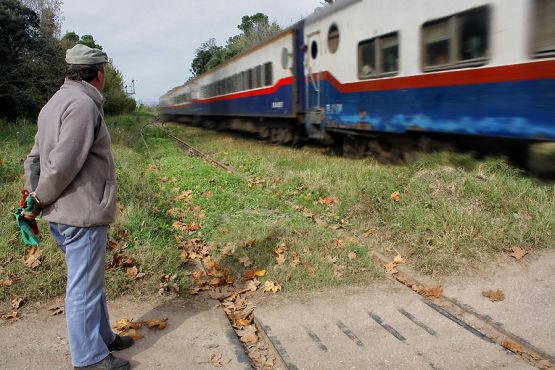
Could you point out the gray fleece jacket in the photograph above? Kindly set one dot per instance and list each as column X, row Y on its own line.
column 71, row 168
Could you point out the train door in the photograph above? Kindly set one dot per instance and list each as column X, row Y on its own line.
column 314, row 111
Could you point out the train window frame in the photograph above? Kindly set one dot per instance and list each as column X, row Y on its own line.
column 540, row 29
column 376, row 45
column 334, row 38
column 455, row 28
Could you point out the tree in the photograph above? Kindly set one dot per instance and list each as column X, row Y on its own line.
column 50, row 15
column 31, row 62
column 207, row 56
column 255, row 29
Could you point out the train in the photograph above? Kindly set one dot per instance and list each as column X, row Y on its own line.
column 381, row 75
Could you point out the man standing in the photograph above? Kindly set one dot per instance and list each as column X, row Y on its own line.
column 71, row 174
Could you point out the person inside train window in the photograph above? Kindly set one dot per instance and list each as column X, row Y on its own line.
column 437, row 40
column 390, row 53
column 473, row 27
column 366, row 71
column 367, row 58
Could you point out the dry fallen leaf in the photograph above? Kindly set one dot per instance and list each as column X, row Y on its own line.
column 512, row 346
column 395, row 196
column 391, row 268
column 280, row 259
column 270, row 286
column 133, row 333
column 246, row 261
column 352, row 255
column 247, row 243
column 132, row 272
column 327, row 200
column 399, row 260
column 17, row 302
column 6, row 283
column 12, row 315
column 494, row 296
column 295, row 259
column 369, row 233
column 311, row 270
column 338, row 270
column 160, row 324
column 518, row 252
column 32, row 256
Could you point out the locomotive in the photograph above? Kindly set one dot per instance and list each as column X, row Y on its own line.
column 382, row 75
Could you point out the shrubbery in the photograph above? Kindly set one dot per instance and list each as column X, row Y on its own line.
column 32, row 59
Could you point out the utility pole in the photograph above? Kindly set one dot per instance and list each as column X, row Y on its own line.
column 131, row 90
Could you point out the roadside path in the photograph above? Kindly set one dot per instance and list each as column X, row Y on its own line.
column 383, row 326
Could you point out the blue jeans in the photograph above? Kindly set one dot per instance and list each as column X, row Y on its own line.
column 87, row 319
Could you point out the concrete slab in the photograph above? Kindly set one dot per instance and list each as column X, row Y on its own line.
column 382, row 326
column 194, row 333
column 528, row 309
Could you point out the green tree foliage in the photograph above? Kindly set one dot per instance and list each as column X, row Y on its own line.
column 32, row 58
column 254, row 30
column 31, row 61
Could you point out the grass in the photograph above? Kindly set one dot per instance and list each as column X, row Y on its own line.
column 454, row 211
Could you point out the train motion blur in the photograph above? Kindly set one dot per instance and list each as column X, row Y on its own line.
column 376, row 75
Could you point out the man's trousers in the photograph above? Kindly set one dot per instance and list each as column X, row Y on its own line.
column 88, row 324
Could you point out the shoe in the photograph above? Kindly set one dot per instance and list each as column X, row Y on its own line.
column 120, row 343
column 109, row 362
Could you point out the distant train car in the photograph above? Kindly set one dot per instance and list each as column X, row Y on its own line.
column 386, row 70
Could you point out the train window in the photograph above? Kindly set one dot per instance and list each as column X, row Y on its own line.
column 389, row 54
column 333, row 38
column 284, row 58
column 367, row 59
column 437, row 42
column 268, row 74
column 543, row 41
column 379, row 56
column 244, row 80
column 314, row 49
column 473, row 34
column 457, row 41
column 259, row 79
column 251, row 79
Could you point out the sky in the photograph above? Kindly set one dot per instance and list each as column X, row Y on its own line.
column 154, row 42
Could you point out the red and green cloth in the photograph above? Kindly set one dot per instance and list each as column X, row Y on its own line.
column 29, row 228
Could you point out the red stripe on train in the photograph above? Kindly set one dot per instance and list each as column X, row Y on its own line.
column 516, row 72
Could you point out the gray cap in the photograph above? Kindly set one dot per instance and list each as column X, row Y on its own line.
column 82, row 54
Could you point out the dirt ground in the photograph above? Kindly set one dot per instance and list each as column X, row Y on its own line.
column 383, row 325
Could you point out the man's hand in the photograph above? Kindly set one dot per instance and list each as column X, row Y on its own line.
column 32, row 215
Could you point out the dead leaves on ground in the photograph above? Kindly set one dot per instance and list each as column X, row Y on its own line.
column 57, row 308
column 494, row 296
column 216, row 360
column 32, row 257
column 396, row 196
column 391, row 267
column 6, row 283
column 11, row 316
column 17, row 302
column 518, row 253
column 130, row 328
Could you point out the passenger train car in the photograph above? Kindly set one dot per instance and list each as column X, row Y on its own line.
column 390, row 69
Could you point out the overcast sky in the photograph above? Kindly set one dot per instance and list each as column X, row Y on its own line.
column 153, row 41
